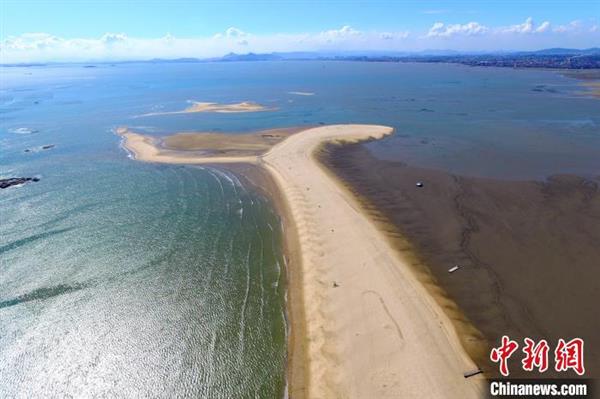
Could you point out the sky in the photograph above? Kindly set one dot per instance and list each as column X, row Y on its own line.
column 89, row 30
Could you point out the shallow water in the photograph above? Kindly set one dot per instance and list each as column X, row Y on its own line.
column 145, row 281
column 150, row 280
column 129, row 279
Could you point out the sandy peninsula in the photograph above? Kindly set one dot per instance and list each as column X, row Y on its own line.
column 371, row 329
column 197, row 106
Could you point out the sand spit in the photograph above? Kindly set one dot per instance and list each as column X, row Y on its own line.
column 201, row 148
column 244, row 106
column 371, row 329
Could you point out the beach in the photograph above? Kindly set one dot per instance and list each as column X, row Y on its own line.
column 371, row 328
column 182, row 275
column 145, row 148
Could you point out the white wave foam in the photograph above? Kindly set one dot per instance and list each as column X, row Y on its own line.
column 22, row 130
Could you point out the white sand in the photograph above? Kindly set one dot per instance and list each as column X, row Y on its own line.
column 379, row 334
column 145, row 149
column 197, row 106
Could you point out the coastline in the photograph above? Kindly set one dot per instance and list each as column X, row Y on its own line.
column 372, row 328
column 518, row 243
column 144, row 148
column 199, row 106
column 259, row 179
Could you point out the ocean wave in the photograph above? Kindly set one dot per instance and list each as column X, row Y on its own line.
column 23, row 130
column 301, row 93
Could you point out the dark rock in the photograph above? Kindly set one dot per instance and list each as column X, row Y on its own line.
column 13, row 181
column 36, row 149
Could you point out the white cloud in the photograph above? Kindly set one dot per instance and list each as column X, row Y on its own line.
column 31, row 41
column 572, row 26
column 527, row 27
column 233, row 35
column 439, row 29
column 235, row 32
column 343, row 33
column 543, row 27
column 44, row 47
column 394, row 35
column 111, row 38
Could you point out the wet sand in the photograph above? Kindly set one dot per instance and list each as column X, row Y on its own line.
column 529, row 252
column 590, row 81
column 371, row 328
column 255, row 143
column 594, row 88
column 199, row 147
column 197, row 106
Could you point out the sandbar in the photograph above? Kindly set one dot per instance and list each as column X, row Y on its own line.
column 202, row 147
column 372, row 330
column 197, row 106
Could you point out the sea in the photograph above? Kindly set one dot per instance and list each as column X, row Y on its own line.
column 127, row 279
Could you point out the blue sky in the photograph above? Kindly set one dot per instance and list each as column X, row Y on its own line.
column 63, row 30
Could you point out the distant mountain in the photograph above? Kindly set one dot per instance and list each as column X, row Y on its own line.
column 175, row 60
column 251, row 57
column 560, row 58
column 565, row 51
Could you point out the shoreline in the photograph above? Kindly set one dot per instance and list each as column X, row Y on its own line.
column 472, row 340
column 260, row 180
column 517, row 242
column 372, row 328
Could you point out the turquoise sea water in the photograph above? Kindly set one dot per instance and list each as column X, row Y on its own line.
column 134, row 279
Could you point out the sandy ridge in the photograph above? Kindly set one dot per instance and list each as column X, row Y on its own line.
column 379, row 333
column 198, row 106
column 144, row 148
column 373, row 331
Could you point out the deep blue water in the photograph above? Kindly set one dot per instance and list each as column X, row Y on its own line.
column 136, row 279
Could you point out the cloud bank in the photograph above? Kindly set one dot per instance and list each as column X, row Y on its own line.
column 469, row 36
